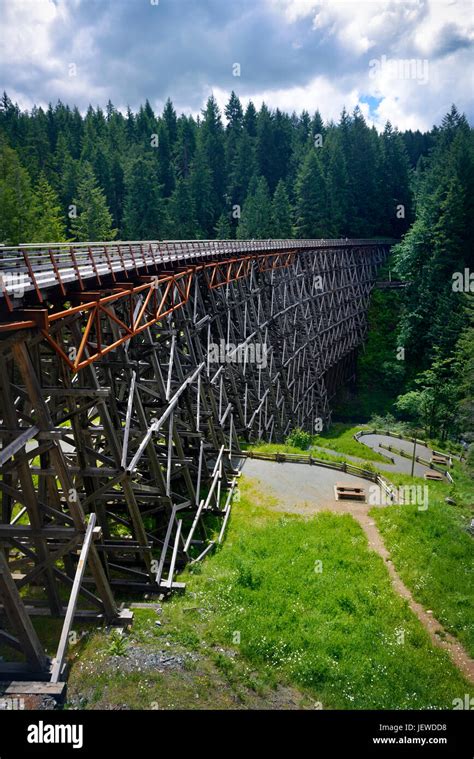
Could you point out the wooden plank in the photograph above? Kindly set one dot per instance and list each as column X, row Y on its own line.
column 81, row 566
column 128, row 420
column 169, row 581
column 34, row 688
column 19, row 619
column 17, row 444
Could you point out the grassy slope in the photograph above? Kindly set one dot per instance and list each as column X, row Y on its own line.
column 431, row 549
column 333, row 635
column 434, row 553
column 339, row 438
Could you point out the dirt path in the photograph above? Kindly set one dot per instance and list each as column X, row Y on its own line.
column 439, row 636
column 309, row 490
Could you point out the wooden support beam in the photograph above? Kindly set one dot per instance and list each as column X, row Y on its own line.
column 58, row 662
column 20, row 621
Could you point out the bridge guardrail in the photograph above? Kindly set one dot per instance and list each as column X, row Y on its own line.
column 29, row 267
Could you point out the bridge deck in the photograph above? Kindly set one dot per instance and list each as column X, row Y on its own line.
column 41, row 267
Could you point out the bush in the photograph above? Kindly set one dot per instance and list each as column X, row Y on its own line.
column 389, row 422
column 298, row 438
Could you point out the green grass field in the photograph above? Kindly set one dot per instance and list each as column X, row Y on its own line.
column 297, row 603
column 340, row 438
column 434, row 555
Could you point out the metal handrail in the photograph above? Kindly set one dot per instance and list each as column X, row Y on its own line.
column 33, row 266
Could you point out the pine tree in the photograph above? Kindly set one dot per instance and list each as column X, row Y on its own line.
column 171, row 122
column 234, row 131
column 202, row 192
column 256, row 219
column 282, row 227
column 244, row 167
column 266, row 149
column 317, row 127
column 223, row 227
column 365, row 186
column 166, row 176
column 395, row 184
column 311, row 200
column 144, row 215
column 182, row 217
column 337, row 181
column 17, row 200
column 48, row 223
column 93, row 221
column 250, row 120
column 185, row 146
column 212, row 133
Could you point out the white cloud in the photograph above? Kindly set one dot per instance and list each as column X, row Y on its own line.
column 296, row 54
column 26, row 35
column 434, row 32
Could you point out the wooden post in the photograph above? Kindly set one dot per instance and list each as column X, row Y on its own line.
column 71, row 607
column 19, row 619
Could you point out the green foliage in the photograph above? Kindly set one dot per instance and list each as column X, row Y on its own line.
column 256, row 218
column 311, row 198
column 48, row 222
column 144, row 215
column 201, row 187
column 117, row 644
column 282, row 227
column 298, row 438
column 434, row 554
column 433, row 403
column 182, row 214
column 93, row 220
column 223, row 227
column 464, row 373
column 342, row 187
column 17, row 202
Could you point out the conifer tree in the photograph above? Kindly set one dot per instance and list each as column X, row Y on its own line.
column 171, row 122
column 93, row 220
column 48, row 223
column 311, row 199
column 212, row 133
column 17, row 200
column 256, row 219
column 144, row 215
column 182, row 217
column 282, row 227
column 223, row 227
column 202, row 192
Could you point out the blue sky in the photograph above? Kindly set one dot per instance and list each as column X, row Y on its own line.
column 292, row 54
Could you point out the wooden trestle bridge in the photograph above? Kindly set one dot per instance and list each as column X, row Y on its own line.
column 120, row 421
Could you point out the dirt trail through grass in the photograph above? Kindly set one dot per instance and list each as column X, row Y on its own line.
column 439, row 636
column 360, row 512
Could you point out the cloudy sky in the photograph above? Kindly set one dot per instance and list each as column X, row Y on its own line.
column 292, row 54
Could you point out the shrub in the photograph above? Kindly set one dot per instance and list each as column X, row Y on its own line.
column 298, row 438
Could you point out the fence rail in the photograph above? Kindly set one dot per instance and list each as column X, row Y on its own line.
column 405, row 454
column 302, row 458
